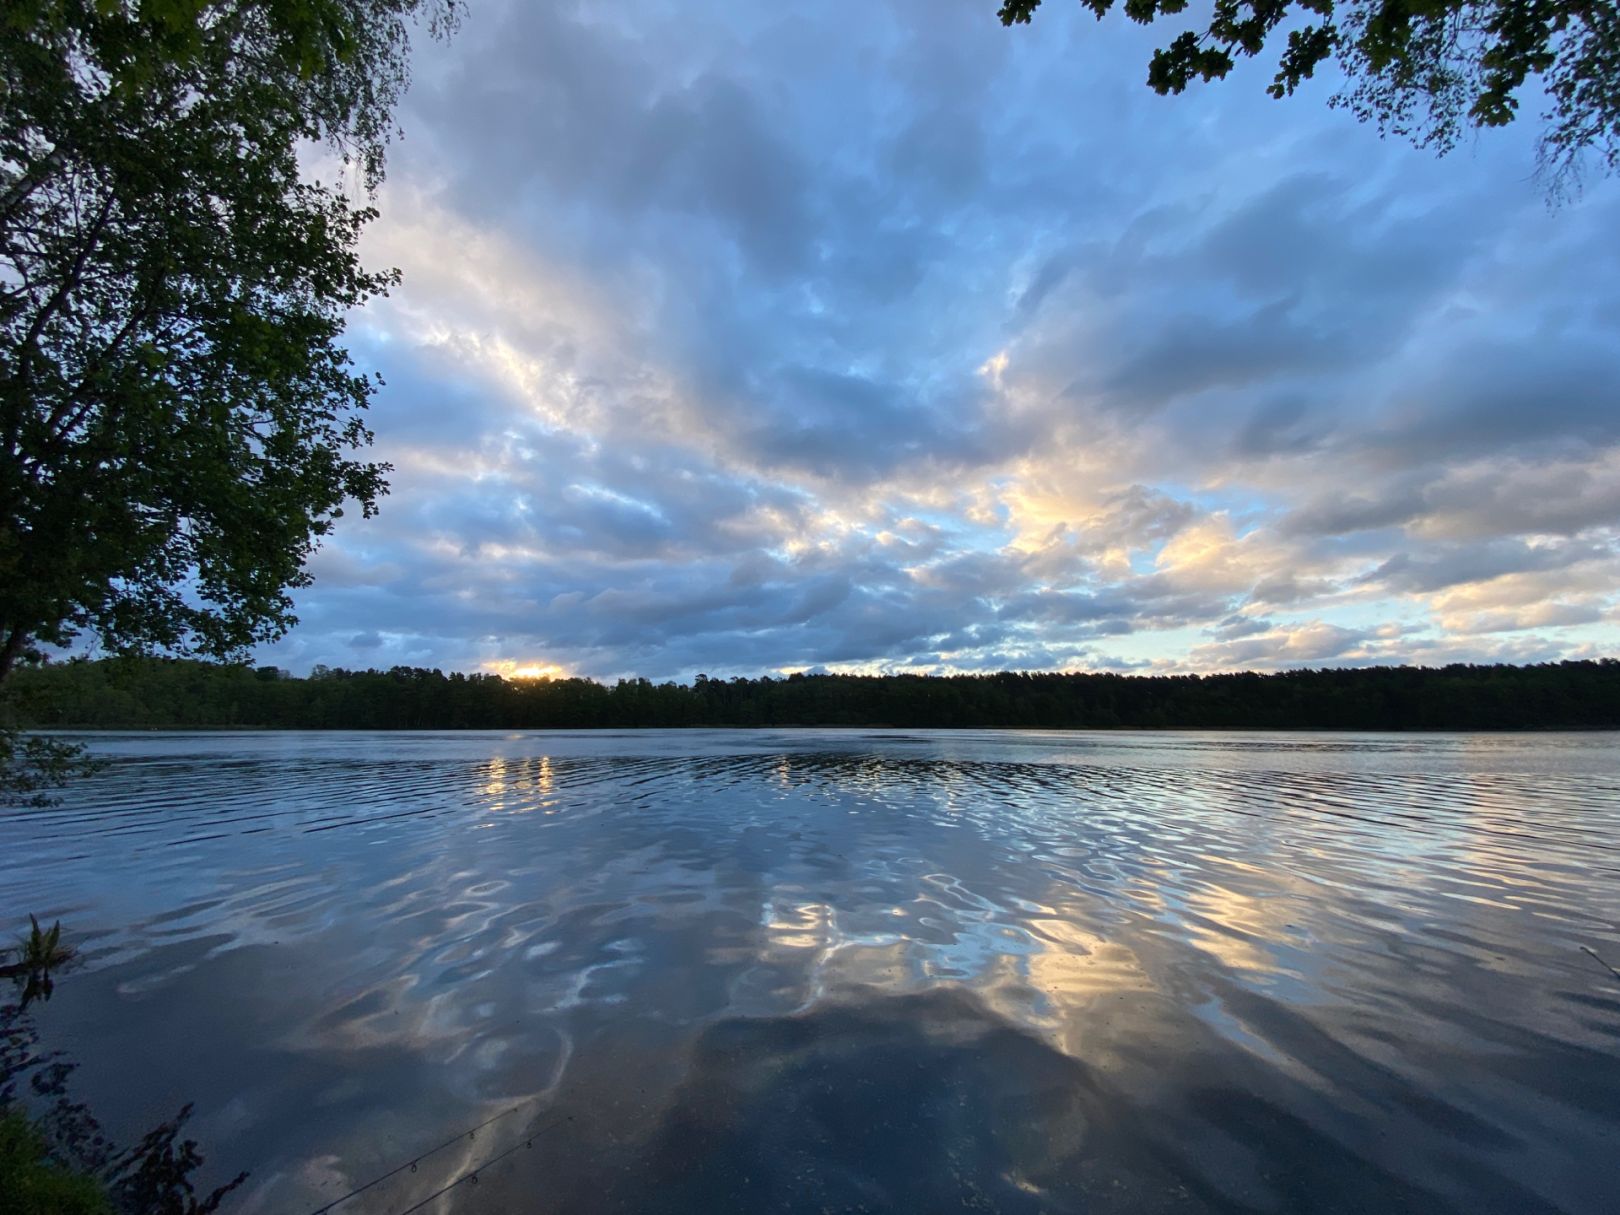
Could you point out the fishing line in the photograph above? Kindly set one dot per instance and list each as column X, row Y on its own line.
column 472, row 1174
column 410, row 1165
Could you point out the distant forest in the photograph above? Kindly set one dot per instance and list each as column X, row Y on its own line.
column 152, row 693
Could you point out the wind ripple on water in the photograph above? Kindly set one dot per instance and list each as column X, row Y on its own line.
column 1153, row 972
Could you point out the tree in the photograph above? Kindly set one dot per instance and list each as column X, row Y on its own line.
column 1423, row 69
column 179, row 421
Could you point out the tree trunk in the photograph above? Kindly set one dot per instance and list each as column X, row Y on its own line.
column 11, row 651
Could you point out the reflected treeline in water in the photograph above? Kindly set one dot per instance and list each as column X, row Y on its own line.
column 807, row 971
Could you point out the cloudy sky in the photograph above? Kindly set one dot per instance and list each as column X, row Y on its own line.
column 743, row 338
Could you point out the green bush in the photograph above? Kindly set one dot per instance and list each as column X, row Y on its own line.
column 31, row 1183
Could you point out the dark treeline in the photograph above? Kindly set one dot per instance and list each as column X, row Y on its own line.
column 114, row 692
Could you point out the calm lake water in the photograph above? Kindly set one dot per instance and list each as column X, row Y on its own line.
column 850, row 971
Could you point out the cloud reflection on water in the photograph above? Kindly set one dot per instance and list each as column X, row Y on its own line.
column 807, row 971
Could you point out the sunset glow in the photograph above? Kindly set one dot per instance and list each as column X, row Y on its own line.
column 526, row 670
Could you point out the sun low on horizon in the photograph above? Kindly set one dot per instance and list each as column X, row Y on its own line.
column 509, row 669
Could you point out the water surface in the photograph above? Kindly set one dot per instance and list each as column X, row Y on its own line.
column 850, row 971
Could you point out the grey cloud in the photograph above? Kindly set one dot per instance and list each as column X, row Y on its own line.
column 831, row 423
column 1354, row 510
column 1314, row 235
column 1144, row 602
column 1547, row 389
column 1558, row 499
column 1285, row 426
column 940, row 150
column 1317, row 642
column 710, row 150
column 1283, row 589
column 1234, row 627
column 1194, row 353
column 1498, row 498
column 1454, row 565
column 1053, row 271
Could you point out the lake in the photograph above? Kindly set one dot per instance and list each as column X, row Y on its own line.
column 824, row 970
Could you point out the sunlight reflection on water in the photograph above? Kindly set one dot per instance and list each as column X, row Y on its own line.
column 843, row 970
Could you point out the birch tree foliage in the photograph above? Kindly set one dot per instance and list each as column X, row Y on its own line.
column 180, row 422
column 1427, row 70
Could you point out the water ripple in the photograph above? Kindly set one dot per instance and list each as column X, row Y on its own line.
column 839, row 970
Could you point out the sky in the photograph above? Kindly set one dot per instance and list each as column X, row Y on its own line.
column 740, row 339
